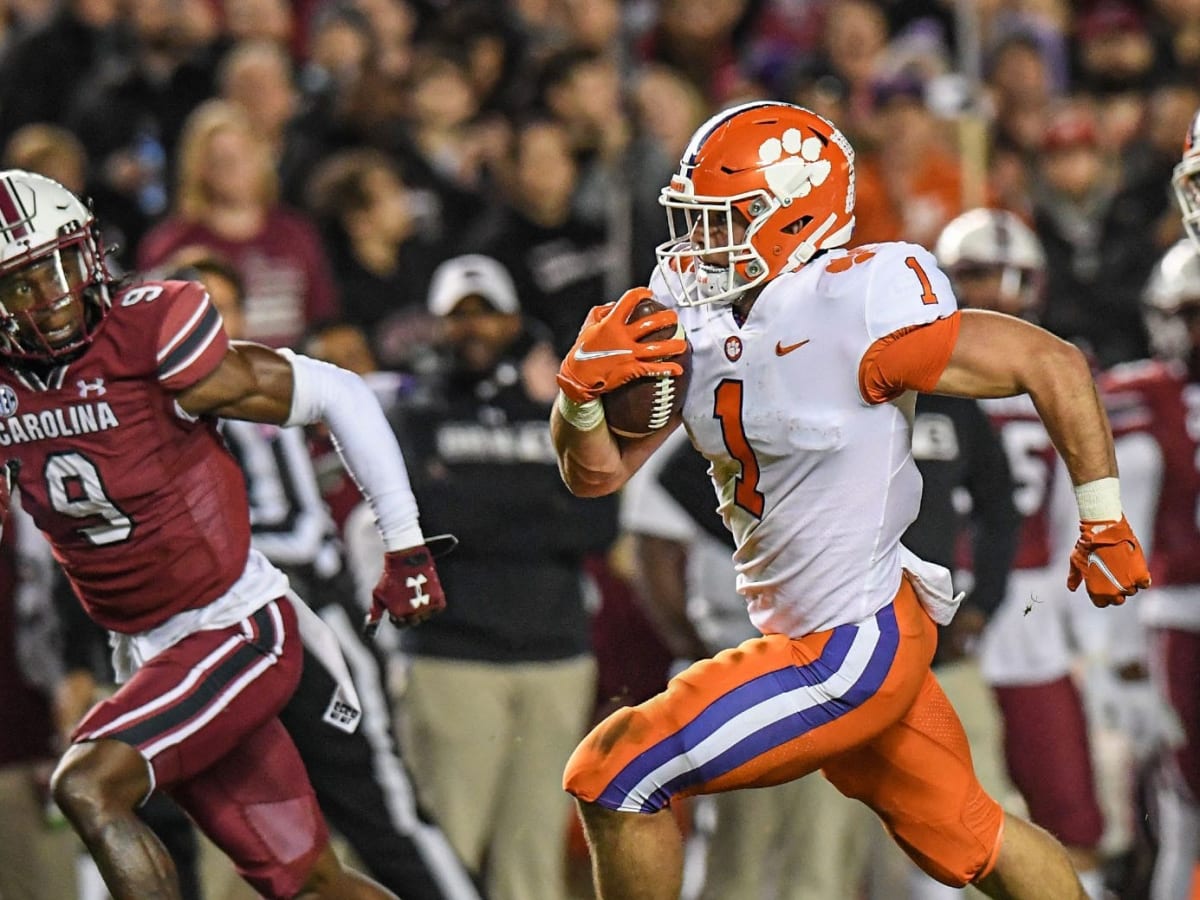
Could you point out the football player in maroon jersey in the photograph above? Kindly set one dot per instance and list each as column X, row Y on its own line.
column 1160, row 399
column 1030, row 644
column 109, row 397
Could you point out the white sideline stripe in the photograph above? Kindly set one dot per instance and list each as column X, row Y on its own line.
column 186, row 329
column 759, row 716
column 396, row 787
column 170, row 696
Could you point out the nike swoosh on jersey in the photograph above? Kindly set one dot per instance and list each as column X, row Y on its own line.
column 782, row 349
column 583, row 355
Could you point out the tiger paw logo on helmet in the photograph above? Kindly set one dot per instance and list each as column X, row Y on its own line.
column 797, row 173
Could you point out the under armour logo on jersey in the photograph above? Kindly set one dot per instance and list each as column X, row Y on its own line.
column 96, row 386
column 8, row 401
column 796, row 174
column 417, row 583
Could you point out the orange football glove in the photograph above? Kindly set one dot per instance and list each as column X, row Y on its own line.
column 607, row 353
column 1109, row 562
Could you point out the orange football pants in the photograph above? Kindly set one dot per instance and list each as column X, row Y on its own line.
column 857, row 701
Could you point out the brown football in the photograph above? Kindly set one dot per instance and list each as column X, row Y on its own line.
column 644, row 405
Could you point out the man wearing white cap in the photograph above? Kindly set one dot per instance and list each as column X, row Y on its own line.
column 499, row 691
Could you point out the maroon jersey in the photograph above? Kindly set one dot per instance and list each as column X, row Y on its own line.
column 145, row 509
column 1157, row 399
column 1035, row 468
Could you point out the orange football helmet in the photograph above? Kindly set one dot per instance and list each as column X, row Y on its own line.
column 760, row 189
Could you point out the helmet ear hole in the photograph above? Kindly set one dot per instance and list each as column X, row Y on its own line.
column 797, row 226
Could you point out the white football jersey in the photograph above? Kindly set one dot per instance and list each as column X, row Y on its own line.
column 816, row 484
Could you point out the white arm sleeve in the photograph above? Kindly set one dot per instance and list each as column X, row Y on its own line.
column 363, row 439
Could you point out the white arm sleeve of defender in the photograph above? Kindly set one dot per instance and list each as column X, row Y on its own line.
column 363, row 439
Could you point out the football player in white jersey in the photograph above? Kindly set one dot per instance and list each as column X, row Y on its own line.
column 805, row 360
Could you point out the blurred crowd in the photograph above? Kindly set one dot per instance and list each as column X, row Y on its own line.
column 433, row 193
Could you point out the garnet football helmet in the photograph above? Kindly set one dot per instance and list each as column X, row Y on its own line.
column 54, row 285
column 1186, row 181
column 983, row 242
column 760, row 189
column 1171, row 301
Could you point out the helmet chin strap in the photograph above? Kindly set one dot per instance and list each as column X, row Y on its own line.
column 816, row 241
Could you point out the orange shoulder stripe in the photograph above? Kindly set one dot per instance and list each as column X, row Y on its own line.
column 910, row 358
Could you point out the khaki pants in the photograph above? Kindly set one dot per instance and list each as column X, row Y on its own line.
column 37, row 862
column 801, row 840
column 487, row 744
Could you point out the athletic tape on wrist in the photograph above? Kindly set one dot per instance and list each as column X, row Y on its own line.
column 583, row 416
column 1099, row 500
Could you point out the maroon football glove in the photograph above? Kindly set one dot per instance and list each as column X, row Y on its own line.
column 409, row 590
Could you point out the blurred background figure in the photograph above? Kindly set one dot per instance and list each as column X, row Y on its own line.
column 910, row 183
column 512, row 656
column 1096, row 261
column 1159, row 400
column 363, row 786
column 258, row 76
column 44, row 65
column 227, row 201
column 37, row 847
column 380, row 258
column 558, row 260
column 130, row 112
column 1032, row 641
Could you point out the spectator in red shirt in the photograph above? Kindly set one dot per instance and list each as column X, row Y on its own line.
column 225, row 201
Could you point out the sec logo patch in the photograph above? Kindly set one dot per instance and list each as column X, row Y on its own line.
column 8, row 401
column 733, row 348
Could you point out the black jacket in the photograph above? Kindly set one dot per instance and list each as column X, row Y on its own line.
column 956, row 448
column 483, row 468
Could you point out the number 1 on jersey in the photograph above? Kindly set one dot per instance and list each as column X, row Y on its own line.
column 728, row 409
column 928, row 297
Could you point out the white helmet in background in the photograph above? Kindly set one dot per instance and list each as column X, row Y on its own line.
column 50, row 255
column 1171, row 297
column 1186, row 181
column 994, row 243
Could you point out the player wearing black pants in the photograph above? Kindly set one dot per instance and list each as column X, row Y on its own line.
column 362, row 785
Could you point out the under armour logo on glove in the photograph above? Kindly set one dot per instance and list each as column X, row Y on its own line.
column 409, row 590
column 1108, row 561
column 419, row 597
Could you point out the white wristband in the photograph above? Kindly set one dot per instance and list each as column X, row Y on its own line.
column 583, row 416
column 1099, row 500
